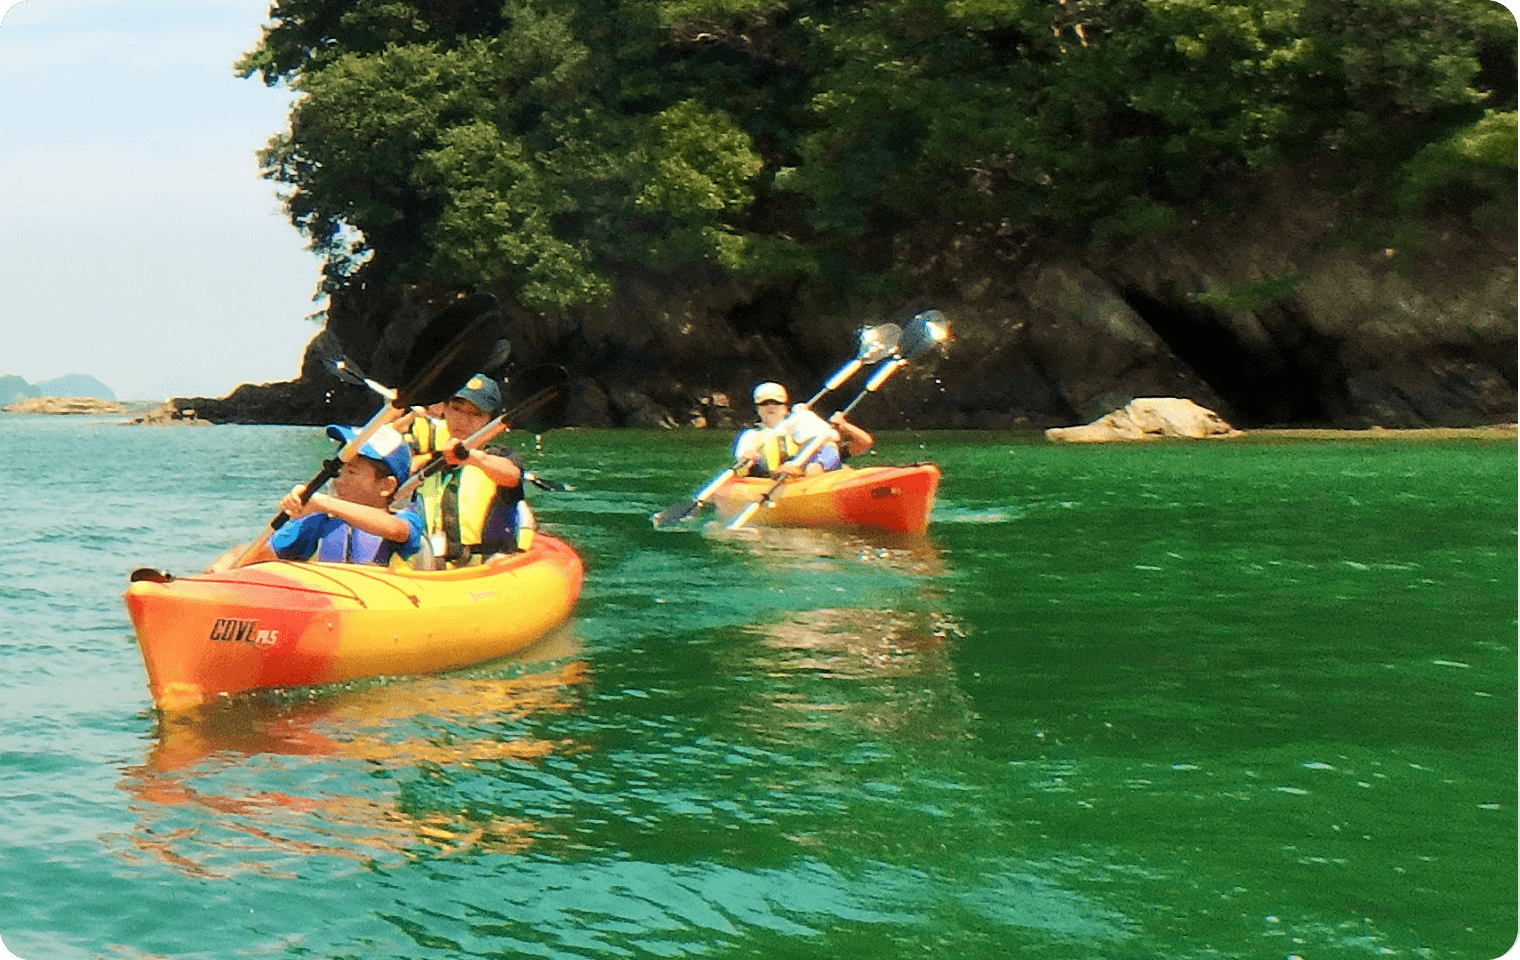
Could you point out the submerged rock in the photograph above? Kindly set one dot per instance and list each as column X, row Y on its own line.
column 1149, row 418
column 64, row 405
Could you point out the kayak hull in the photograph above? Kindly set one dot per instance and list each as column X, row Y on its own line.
column 896, row 499
column 290, row 624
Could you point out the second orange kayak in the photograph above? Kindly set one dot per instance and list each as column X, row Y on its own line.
column 897, row 499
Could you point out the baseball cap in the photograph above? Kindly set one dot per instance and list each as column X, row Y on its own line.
column 770, row 391
column 482, row 391
column 384, row 445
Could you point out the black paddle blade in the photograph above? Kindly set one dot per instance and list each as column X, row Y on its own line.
column 674, row 514
column 453, row 346
column 544, row 391
column 334, row 361
column 500, row 354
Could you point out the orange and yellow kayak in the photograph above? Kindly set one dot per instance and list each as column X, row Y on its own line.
column 897, row 499
column 291, row 624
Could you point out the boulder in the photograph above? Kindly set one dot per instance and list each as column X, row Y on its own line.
column 65, row 405
column 168, row 415
column 1149, row 418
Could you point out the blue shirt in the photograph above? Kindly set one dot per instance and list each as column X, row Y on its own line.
column 321, row 537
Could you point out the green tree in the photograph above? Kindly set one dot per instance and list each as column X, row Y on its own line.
column 535, row 145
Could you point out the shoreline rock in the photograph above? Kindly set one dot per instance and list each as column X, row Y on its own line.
column 168, row 415
column 65, row 406
column 1149, row 418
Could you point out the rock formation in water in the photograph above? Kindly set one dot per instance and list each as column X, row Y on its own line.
column 168, row 415
column 1149, row 418
column 1260, row 314
column 64, row 406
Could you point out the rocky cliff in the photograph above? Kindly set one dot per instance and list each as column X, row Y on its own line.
column 1264, row 312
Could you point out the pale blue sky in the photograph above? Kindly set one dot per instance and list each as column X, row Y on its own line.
column 138, row 243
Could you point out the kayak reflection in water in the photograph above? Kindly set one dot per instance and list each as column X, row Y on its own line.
column 781, row 436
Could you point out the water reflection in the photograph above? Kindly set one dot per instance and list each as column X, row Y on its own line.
column 785, row 547
column 855, row 641
column 364, row 773
column 848, row 673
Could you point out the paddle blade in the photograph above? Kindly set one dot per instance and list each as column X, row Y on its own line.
column 329, row 351
column 925, row 331
column 675, row 513
column 500, row 353
column 878, row 342
column 454, row 345
column 543, row 390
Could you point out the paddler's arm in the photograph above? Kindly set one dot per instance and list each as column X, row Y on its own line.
column 502, row 471
column 851, row 437
column 381, row 523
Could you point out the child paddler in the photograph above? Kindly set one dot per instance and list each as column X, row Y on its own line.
column 475, row 507
column 354, row 524
column 769, row 449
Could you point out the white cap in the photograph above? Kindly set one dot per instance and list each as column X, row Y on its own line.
column 770, row 391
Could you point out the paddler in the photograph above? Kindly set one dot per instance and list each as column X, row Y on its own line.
column 354, row 524
column 770, row 446
column 476, row 507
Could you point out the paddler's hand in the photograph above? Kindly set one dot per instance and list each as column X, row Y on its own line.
column 457, row 454
column 295, row 509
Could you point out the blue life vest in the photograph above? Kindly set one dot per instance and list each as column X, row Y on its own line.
column 321, row 537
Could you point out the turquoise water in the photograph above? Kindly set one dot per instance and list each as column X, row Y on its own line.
column 1227, row 700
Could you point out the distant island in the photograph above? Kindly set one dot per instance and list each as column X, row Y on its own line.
column 14, row 388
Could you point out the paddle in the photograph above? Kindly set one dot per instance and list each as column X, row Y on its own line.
column 344, row 369
column 445, row 353
column 542, row 410
column 333, row 359
column 875, row 343
column 927, row 330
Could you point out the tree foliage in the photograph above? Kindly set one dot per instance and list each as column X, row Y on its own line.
column 536, row 145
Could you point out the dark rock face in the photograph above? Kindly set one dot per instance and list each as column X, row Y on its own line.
column 1253, row 314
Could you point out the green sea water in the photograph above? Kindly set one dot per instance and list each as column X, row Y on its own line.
column 1214, row 700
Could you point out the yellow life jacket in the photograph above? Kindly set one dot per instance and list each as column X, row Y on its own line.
column 427, row 437
column 468, row 517
column 774, row 451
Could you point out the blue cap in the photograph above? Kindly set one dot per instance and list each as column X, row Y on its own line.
column 384, row 445
column 482, row 391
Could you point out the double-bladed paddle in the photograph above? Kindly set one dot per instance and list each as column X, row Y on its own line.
column 925, row 331
column 548, row 383
column 543, row 409
column 874, row 344
column 452, row 346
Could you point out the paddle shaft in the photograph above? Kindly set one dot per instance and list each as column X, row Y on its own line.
column 330, row 469
column 871, row 348
column 765, row 434
column 812, row 447
column 476, row 440
column 440, row 359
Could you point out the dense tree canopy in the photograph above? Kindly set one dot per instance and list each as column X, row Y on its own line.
column 535, row 145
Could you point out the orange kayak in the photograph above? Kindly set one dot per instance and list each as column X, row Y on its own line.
column 289, row 624
column 898, row 499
